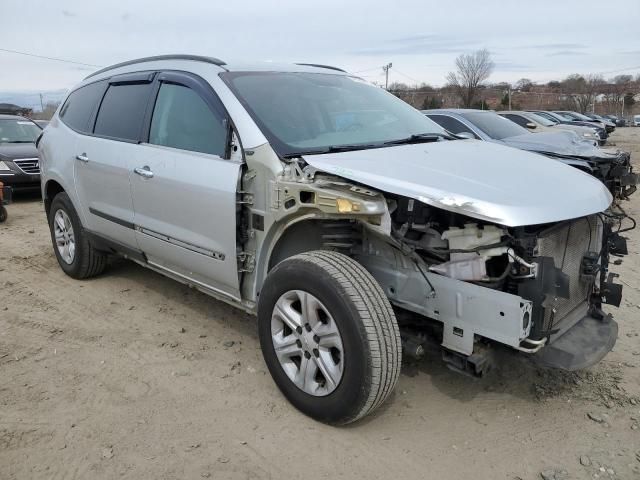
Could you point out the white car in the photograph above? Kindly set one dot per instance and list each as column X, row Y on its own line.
column 347, row 221
column 537, row 123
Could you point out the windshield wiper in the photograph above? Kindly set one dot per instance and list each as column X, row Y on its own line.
column 420, row 138
column 19, row 141
column 333, row 149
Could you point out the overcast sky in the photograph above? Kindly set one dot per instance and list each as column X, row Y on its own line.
column 539, row 39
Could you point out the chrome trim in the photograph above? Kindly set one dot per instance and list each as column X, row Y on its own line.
column 30, row 166
column 181, row 243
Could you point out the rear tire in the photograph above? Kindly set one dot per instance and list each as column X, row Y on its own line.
column 368, row 363
column 3, row 214
column 84, row 261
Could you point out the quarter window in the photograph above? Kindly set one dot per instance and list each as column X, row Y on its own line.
column 122, row 111
column 181, row 119
column 80, row 105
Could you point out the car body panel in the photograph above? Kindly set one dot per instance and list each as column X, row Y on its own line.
column 471, row 178
column 179, row 213
column 102, row 186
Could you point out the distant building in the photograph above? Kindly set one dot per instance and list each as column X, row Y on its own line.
column 11, row 109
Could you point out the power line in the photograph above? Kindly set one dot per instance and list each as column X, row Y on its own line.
column 48, row 58
column 367, row 70
column 405, row 75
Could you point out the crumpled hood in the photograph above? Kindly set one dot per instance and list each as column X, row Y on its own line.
column 15, row 151
column 562, row 143
column 478, row 179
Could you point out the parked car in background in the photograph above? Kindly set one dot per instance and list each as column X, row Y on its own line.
column 602, row 131
column 607, row 121
column 636, row 120
column 316, row 201
column 19, row 164
column 575, row 116
column 537, row 123
column 619, row 121
column 612, row 167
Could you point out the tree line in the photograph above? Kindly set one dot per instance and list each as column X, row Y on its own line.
column 577, row 91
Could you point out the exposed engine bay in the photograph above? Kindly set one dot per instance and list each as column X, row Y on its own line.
column 543, row 279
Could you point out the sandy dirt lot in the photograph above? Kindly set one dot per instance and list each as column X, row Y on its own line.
column 131, row 375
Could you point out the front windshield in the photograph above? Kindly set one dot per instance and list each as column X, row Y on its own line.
column 18, row 131
column 541, row 120
column 566, row 116
column 580, row 116
column 314, row 112
column 494, row 125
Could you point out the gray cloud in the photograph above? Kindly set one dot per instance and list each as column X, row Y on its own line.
column 565, row 53
column 512, row 67
column 420, row 45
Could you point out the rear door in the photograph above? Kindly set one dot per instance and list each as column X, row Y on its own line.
column 184, row 185
column 105, row 158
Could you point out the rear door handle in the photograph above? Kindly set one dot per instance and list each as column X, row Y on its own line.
column 144, row 172
column 82, row 157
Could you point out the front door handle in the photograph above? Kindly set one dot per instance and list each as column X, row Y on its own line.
column 144, row 172
column 82, row 157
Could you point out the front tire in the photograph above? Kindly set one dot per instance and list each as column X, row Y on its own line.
column 329, row 336
column 75, row 254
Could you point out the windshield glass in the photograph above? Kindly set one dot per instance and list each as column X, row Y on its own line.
column 541, row 120
column 494, row 125
column 566, row 116
column 18, row 131
column 312, row 112
column 580, row 116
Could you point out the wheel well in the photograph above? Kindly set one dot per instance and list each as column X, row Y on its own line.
column 51, row 189
column 339, row 235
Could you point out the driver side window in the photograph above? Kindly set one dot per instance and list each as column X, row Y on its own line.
column 181, row 119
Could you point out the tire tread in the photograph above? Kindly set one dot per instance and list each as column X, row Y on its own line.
column 377, row 317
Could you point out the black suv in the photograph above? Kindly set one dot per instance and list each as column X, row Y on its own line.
column 19, row 164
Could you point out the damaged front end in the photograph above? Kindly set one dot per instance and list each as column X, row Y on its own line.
column 613, row 168
column 539, row 289
column 473, row 247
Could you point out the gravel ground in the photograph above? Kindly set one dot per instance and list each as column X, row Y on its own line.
column 131, row 375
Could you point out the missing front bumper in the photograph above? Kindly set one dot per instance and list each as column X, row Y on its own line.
column 583, row 345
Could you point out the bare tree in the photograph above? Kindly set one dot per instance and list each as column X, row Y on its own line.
column 524, row 85
column 615, row 91
column 471, row 71
column 583, row 90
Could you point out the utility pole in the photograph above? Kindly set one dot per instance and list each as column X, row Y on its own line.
column 41, row 104
column 386, row 68
column 509, row 97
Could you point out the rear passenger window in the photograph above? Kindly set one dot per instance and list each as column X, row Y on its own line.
column 450, row 124
column 517, row 119
column 80, row 105
column 122, row 111
column 181, row 119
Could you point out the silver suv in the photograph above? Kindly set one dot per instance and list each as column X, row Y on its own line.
column 353, row 226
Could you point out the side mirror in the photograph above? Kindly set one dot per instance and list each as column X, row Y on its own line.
column 468, row 135
column 531, row 126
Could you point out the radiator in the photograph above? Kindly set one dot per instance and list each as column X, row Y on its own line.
column 579, row 237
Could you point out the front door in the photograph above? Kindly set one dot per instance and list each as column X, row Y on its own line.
column 184, row 186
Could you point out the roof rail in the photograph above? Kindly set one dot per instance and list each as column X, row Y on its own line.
column 196, row 58
column 321, row 66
